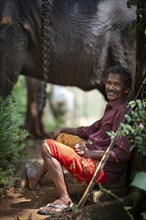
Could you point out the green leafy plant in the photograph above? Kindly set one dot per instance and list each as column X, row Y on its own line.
column 134, row 129
column 11, row 141
column 19, row 94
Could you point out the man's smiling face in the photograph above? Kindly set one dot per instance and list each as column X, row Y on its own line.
column 115, row 87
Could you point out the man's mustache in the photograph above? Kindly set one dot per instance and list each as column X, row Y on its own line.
column 111, row 91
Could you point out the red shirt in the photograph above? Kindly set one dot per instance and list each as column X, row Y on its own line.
column 113, row 116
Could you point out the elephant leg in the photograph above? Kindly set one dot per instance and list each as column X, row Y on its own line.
column 34, row 117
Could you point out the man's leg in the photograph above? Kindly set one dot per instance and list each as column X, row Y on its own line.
column 34, row 176
column 55, row 171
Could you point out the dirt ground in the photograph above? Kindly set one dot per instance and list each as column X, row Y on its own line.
column 21, row 203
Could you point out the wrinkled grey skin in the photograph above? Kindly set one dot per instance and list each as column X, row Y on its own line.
column 86, row 37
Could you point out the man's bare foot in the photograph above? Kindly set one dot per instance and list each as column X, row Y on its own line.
column 30, row 170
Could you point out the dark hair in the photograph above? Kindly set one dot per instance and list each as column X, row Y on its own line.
column 123, row 71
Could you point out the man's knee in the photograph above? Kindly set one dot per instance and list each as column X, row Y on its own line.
column 45, row 149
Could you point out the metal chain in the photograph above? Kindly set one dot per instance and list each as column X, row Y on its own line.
column 46, row 6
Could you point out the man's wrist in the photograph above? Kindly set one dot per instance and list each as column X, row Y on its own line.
column 100, row 154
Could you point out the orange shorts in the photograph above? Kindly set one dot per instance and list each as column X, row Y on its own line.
column 80, row 167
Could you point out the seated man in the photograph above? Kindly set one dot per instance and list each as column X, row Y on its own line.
column 81, row 159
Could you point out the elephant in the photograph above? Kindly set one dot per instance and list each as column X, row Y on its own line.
column 85, row 38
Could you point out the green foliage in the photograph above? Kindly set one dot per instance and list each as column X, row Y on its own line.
column 140, row 180
column 112, row 134
column 140, row 13
column 11, row 138
column 19, row 95
column 132, row 27
column 134, row 129
column 131, row 2
column 143, row 215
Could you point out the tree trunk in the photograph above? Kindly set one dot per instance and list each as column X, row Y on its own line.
column 141, row 44
column 140, row 74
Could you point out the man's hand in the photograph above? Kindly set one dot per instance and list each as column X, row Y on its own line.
column 81, row 149
column 54, row 134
